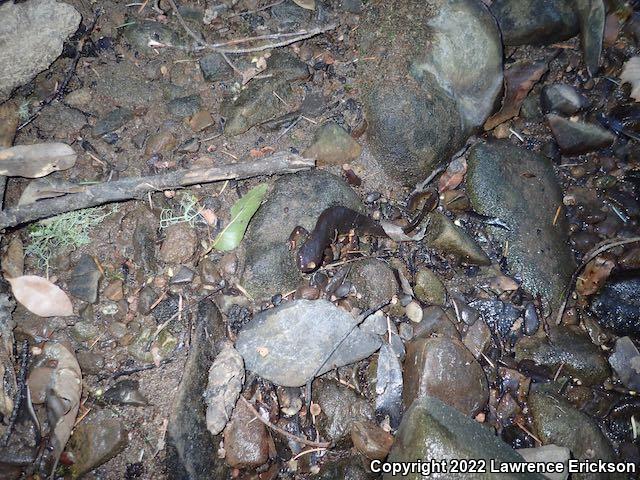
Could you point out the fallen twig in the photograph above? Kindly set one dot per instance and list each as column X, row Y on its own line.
column 281, row 431
column 137, row 187
column 283, row 39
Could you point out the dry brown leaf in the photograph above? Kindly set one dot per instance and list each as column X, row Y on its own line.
column 40, row 296
column 38, row 160
column 631, row 74
column 453, row 175
column 594, row 275
column 519, row 79
column 306, row 4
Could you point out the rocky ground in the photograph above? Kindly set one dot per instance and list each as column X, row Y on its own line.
column 506, row 327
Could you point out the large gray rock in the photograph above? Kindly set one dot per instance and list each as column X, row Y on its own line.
column 520, row 188
column 536, row 22
column 567, row 347
column 431, row 430
column 434, row 77
column 31, row 38
column 296, row 199
column 290, row 344
column 557, row 422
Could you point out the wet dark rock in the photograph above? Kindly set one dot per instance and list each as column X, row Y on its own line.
column 255, row 104
column 341, row 406
column 578, row 137
column 184, row 106
column 179, row 244
column 520, row 188
column 374, row 280
column 332, row 145
column 549, row 454
column 290, row 16
column 477, row 338
column 562, row 98
column 297, row 199
column 351, row 468
column 146, row 300
column 438, row 80
column 447, row 238
column 31, row 48
column 183, row 275
column 187, row 436
column 90, row 363
column 591, row 17
column 557, row 422
column 569, row 348
column 429, row 288
column 435, row 321
column 433, row 430
column 444, row 368
column 535, row 22
column 371, row 440
column 125, row 392
column 246, row 441
column 112, row 121
column 286, row 66
column 617, row 305
column 625, row 360
column 214, row 68
column 83, row 283
column 277, row 344
column 531, row 320
column 166, row 309
column 145, row 35
column 95, row 441
column 498, row 315
column 388, row 386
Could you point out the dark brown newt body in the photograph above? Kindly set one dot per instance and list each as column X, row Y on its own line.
column 342, row 220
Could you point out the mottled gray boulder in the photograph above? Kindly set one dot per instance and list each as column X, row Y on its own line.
column 557, row 422
column 520, row 188
column 290, row 344
column 31, row 38
column 432, row 75
column 568, row 347
column 536, row 22
column 431, row 430
column 296, row 199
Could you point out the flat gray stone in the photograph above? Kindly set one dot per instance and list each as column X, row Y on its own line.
column 625, row 360
column 520, row 188
column 83, row 283
column 31, row 38
column 431, row 430
column 289, row 345
column 578, row 137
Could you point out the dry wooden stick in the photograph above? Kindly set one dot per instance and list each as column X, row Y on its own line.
column 136, row 187
column 284, row 38
column 282, row 431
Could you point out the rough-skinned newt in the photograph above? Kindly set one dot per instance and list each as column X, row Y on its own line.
column 342, row 220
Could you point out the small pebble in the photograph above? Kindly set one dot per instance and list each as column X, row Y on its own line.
column 414, row 312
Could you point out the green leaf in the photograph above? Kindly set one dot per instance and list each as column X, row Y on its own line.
column 241, row 213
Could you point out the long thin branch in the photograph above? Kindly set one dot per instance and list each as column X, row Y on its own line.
column 136, row 187
column 282, row 431
column 287, row 38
